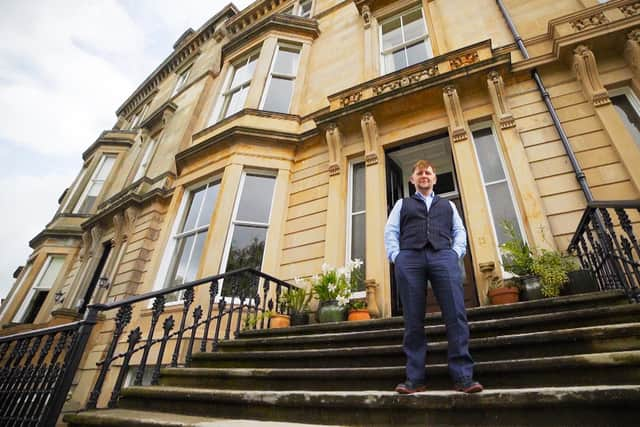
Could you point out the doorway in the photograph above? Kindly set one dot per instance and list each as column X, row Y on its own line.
column 399, row 164
column 97, row 274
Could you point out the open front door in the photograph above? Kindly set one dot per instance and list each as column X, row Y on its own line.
column 399, row 162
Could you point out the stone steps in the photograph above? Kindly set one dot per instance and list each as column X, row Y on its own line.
column 548, row 406
column 617, row 337
column 583, row 369
column 389, row 335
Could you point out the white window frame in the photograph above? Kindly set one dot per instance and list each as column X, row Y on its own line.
column 16, row 289
column 73, row 189
column 36, row 287
column 222, row 105
column 507, row 179
column 137, row 117
column 234, row 222
column 291, row 77
column 633, row 100
column 426, row 38
column 182, row 79
column 147, row 156
column 296, row 8
column 350, row 214
column 162, row 277
column 91, row 181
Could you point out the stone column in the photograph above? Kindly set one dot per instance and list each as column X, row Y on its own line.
column 586, row 69
column 479, row 227
column 527, row 192
column 334, row 250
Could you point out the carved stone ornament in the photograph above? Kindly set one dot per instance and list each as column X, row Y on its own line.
column 351, row 99
column 499, row 100
column 334, row 143
column 366, row 16
column 632, row 52
column 406, row 80
column 118, row 229
column 630, row 9
column 463, row 60
column 586, row 69
column 220, row 33
column 130, row 216
column 589, row 22
column 96, row 234
column 370, row 137
column 457, row 128
column 86, row 245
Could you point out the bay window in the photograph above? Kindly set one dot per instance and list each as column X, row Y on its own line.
column 96, row 183
column 38, row 293
column 237, row 85
column 281, row 80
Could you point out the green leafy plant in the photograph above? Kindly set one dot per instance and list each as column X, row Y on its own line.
column 498, row 283
column 251, row 320
column 552, row 268
column 517, row 257
column 358, row 304
column 337, row 284
column 296, row 299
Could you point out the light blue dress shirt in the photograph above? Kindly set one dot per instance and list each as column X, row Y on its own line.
column 392, row 229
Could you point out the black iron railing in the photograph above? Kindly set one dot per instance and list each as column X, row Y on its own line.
column 606, row 243
column 37, row 368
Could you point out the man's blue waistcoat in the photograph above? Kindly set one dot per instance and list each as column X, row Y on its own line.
column 419, row 226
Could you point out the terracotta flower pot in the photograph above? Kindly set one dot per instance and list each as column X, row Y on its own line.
column 503, row 295
column 280, row 321
column 359, row 314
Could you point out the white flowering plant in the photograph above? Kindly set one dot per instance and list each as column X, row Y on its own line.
column 337, row 283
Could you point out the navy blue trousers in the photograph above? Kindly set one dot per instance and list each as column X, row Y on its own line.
column 412, row 269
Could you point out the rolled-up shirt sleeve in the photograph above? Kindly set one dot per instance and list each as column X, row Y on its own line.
column 459, row 233
column 392, row 232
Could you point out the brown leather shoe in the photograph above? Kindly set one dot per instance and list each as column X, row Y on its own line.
column 470, row 387
column 409, row 387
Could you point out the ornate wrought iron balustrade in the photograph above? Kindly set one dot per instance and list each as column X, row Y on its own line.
column 606, row 243
column 37, row 368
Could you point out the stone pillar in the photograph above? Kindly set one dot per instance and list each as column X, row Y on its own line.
column 376, row 216
column 527, row 192
column 586, row 69
column 371, row 48
column 479, row 227
column 334, row 250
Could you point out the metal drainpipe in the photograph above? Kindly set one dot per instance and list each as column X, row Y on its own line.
column 552, row 111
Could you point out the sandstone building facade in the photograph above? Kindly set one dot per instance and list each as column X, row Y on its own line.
column 281, row 135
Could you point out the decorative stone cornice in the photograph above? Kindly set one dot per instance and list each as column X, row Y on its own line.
column 175, row 60
column 457, row 123
column 333, row 138
column 111, row 138
column 503, row 114
column 589, row 21
column 463, row 60
column 290, row 24
column 586, row 69
column 370, row 137
column 630, row 10
column 252, row 14
column 632, row 52
column 160, row 116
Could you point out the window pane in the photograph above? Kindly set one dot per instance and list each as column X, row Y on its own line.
column 244, row 72
column 305, row 8
column 255, row 202
column 247, row 247
column 103, row 173
column 236, row 103
column 87, row 204
column 413, row 25
column 209, row 204
column 195, row 203
column 94, row 189
column 417, row 53
column 286, row 61
column 358, row 191
column 49, row 277
column 196, row 255
column 502, row 208
column 488, row 155
column 391, row 33
column 34, row 306
column 278, row 95
column 628, row 114
column 181, row 258
column 358, row 240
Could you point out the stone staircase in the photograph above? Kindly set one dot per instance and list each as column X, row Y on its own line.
column 566, row 361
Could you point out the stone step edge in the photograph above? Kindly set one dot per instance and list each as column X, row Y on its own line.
column 592, row 360
column 480, row 325
column 607, row 331
column 616, row 395
column 121, row 417
column 471, row 312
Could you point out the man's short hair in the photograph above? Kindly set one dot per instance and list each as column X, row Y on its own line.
column 423, row 164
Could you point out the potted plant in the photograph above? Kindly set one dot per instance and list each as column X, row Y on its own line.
column 279, row 320
column 297, row 300
column 333, row 290
column 503, row 291
column 552, row 268
column 358, row 310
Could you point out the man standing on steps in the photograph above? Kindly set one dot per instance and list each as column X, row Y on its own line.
column 424, row 238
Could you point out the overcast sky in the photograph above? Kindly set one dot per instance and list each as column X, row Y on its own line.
column 65, row 67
